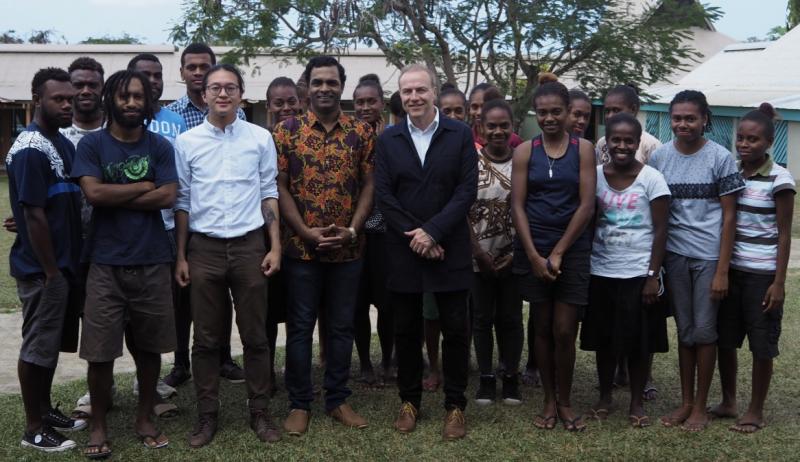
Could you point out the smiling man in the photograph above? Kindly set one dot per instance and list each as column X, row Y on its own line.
column 45, row 255
column 128, row 175
column 426, row 178
column 325, row 182
column 228, row 201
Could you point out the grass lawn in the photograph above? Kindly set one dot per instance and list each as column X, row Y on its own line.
column 8, row 289
column 496, row 432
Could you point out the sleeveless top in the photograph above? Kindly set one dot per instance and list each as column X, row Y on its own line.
column 552, row 199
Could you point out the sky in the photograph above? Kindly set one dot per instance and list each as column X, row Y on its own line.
column 150, row 20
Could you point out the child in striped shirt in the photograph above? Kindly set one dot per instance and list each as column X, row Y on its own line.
column 754, row 306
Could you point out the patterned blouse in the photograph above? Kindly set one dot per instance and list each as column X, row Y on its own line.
column 326, row 171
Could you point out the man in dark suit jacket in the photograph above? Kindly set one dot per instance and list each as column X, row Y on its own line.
column 425, row 183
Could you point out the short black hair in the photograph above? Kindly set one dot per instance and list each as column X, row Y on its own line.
column 279, row 82
column 85, row 63
column 396, row 105
column 48, row 73
column 372, row 81
column 198, row 49
column 142, row 57
column 225, row 67
column 450, row 89
column 629, row 94
column 324, row 61
column 624, row 118
column 480, row 87
column 576, row 94
column 121, row 80
column 495, row 104
column 550, row 86
column 697, row 98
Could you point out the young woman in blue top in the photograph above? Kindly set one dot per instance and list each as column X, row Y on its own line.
column 552, row 192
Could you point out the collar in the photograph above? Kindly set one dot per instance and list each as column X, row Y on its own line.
column 430, row 128
column 343, row 121
column 188, row 104
column 216, row 130
column 764, row 170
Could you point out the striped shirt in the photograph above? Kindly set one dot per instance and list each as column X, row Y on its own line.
column 756, row 247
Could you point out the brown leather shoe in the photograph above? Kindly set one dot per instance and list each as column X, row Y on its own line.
column 455, row 425
column 348, row 417
column 406, row 421
column 297, row 422
column 266, row 430
column 204, row 430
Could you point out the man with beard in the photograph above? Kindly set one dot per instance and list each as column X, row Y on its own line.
column 196, row 60
column 325, row 182
column 45, row 255
column 128, row 175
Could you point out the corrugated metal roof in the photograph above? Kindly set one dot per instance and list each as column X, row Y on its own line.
column 18, row 64
column 745, row 75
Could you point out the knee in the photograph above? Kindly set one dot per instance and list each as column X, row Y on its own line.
column 705, row 335
column 564, row 336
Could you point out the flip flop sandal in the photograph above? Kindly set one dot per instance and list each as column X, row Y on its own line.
column 598, row 414
column 650, row 393
column 747, row 428
column 639, row 421
column 165, row 410
column 545, row 423
column 575, row 425
column 97, row 451
column 154, row 441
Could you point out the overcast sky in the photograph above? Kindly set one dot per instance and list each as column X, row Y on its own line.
column 151, row 20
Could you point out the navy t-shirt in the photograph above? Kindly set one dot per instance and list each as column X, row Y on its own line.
column 38, row 176
column 121, row 236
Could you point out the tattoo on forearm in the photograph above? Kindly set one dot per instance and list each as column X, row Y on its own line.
column 269, row 217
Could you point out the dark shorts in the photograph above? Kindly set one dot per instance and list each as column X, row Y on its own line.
column 50, row 317
column 571, row 286
column 136, row 298
column 616, row 319
column 741, row 313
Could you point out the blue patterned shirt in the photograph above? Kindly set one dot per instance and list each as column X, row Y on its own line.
column 193, row 115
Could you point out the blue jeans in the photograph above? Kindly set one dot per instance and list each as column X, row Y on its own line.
column 312, row 286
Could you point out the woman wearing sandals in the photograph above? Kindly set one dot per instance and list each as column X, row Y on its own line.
column 552, row 197
column 704, row 182
column 627, row 252
column 754, row 306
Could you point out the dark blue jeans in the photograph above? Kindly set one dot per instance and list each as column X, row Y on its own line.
column 334, row 288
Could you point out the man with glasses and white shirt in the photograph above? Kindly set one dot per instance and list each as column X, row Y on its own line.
column 228, row 200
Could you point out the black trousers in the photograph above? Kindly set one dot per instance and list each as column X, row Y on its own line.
column 408, row 325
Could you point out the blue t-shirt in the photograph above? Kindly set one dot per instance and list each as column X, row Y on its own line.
column 121, row 236
column 168, row 124
column 38, row 176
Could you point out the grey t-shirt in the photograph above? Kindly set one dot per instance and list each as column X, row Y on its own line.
column 696, row 182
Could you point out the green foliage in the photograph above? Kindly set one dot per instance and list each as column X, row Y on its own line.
column 10, row 36
column 124, row 39
column 792, row 14
column 36, row 37
column 507, row 42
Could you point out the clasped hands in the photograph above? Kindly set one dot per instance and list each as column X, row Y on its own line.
column 328, row 238
column 423, row 245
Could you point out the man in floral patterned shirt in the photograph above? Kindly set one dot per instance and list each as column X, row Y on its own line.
column 325, row 194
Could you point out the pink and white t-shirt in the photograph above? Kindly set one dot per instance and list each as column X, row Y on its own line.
column 623, row 238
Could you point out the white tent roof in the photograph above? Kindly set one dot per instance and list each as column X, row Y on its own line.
column 746, row 74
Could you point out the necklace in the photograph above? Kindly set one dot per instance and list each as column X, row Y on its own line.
column 551, row 161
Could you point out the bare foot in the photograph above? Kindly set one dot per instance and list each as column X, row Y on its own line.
column 677, row 417
column 432, row 382
column 723, row 411
column 601, row 409
column 696, row 422
column 751, row 422
column 531, row 377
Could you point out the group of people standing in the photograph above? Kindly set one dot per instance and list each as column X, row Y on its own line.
column 148, row 219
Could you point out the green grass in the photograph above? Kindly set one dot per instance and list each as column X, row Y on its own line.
column 495, row 433
column 8, row 289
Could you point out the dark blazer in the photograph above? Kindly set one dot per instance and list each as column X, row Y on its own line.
column 436, row 197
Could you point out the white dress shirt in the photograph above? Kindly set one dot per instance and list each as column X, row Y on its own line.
column 223, row 175
column 422, row 138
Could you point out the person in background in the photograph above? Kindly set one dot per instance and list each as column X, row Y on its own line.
column 369, row 106
column 496, row 300
column 627, row 254
column 580, row 112
column 452, row 102
column 756, row 290
column 625, row 98
column 553, row 188
column 45, row 256
column 477, row 97
column 704, row 182
column 283, row 101
column 396, row 108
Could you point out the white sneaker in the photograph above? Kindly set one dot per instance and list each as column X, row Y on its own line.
column 164, row 390
column 86, row 400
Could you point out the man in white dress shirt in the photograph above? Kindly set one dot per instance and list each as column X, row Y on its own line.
column 228, row 201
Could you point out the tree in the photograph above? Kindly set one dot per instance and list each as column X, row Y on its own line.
column 792, row 14
column 507, row 42
column 10, row 36
column 123, row 39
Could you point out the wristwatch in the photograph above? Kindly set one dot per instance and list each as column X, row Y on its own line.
column 353, row 234
column 651, row 273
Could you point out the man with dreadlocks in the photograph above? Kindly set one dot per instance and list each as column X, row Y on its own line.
column 128, row 175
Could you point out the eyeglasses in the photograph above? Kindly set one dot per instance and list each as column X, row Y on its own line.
column 230, row 90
